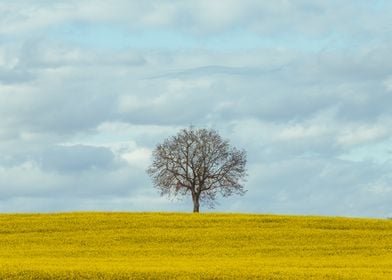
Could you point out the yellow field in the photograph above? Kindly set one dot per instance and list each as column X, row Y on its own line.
column 193, row 246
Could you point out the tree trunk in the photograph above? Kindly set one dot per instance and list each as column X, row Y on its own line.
column 196, row 204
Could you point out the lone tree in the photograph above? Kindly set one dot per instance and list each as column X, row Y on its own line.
column 198, row 162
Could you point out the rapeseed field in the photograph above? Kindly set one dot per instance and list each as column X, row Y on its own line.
column 193, row 246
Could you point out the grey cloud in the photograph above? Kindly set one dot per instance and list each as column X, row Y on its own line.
column 300, row 88
column 294, row 91
column 218, row 70
column 12, row 160
column 41, row 53
column 28, row 180
column 316, row 186
column 14, row 76
column 78, row 158
column 68, row 173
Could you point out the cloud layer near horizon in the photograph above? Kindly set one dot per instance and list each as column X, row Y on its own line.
column 88, row 88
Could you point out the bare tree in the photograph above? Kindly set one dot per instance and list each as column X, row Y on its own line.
column 198, row 162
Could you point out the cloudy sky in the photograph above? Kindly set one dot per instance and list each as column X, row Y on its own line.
column 88, row 88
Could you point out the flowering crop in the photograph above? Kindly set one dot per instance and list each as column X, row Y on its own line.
column 193, row 246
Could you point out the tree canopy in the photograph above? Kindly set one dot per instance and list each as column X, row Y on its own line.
column 199, row 163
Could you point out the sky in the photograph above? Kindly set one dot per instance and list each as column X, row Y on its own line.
column 88, row 88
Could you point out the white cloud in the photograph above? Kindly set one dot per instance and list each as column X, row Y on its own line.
column 299, row 131
column 363, row 134
column 380, row 189
column 139, row 157
column 159, row 14
column 25, row 179
column 201, row 17
column 130, row 103
column 388, row 84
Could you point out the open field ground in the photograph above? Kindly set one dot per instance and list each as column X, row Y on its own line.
column 192, row 246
